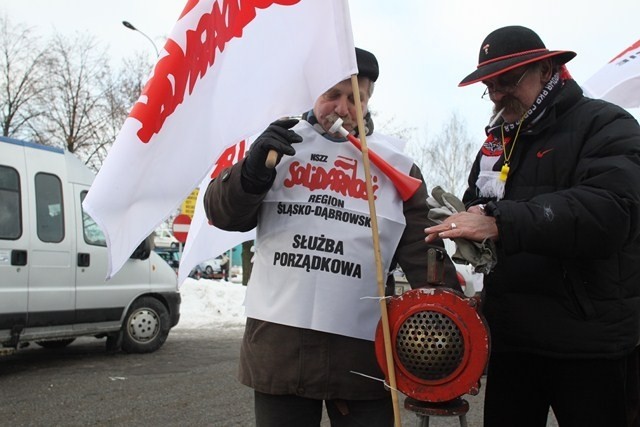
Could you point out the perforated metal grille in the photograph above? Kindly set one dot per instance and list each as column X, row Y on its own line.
column 430, row 345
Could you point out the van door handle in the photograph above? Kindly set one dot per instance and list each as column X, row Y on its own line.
column 18, row 257
column 84, row 259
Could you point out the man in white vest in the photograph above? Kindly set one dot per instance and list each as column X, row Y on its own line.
column 311, row 300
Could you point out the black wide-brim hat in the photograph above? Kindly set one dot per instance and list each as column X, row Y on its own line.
column 511, row 47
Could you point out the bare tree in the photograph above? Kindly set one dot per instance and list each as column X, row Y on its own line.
column 135, row 72
column 24, row 65
column 446, row 159
column 391, row 127
column 121, row 93
column 76, row 109
column 65, row 93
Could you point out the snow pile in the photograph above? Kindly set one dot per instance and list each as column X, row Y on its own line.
column 211, row 304
column 215, row 304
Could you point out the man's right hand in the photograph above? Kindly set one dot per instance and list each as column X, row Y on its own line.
column 256, row 175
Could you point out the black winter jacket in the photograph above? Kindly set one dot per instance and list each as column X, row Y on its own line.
column 567, row 282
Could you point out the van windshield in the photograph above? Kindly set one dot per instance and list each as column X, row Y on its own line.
column 93, row 235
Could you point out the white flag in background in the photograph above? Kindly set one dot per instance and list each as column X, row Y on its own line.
column 224, row 74
column 205, row 241
column 619, row 80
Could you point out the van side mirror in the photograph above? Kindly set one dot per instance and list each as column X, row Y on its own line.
column 144, row 249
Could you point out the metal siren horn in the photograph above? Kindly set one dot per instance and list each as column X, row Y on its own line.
column 440, row 344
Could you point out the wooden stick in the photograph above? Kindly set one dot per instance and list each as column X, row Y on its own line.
column 376, row 250
column 272, row 159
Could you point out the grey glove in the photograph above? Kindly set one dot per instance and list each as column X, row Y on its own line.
column 482, row 256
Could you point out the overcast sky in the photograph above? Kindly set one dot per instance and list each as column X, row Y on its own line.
column 424, row 47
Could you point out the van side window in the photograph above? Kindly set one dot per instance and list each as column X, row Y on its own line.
column 10, row 211
column 49, row 210
column 93, row 235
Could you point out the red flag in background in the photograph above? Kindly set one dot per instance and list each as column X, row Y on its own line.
column 227, row 70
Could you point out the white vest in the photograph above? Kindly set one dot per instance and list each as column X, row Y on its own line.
column 314, row 264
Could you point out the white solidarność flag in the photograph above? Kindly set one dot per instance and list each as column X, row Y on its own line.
column 224, row 74
column 618, row 81
column 205, row 241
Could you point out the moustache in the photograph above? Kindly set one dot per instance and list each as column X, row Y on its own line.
column 510, row 104
column 507, row 102
column 347, row 123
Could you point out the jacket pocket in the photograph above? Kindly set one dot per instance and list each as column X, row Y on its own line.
column 578, row 292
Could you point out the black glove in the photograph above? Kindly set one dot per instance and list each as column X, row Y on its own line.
column 256, row 176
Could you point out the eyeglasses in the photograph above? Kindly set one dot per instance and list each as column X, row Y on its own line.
column 503, row 84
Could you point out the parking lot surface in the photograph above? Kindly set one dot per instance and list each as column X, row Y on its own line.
column 190, row 381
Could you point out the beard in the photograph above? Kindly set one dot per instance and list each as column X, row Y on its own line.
column 511, row 105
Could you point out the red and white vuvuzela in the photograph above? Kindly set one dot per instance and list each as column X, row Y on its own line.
column 405, row 184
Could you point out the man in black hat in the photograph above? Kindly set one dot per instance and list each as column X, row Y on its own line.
column 556, row 185
column 311, row 320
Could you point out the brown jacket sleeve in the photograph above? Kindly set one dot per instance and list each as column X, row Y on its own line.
column 411, row 254
column 228, row 206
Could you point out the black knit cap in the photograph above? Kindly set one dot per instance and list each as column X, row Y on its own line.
column 367, row 64
column 511, row 47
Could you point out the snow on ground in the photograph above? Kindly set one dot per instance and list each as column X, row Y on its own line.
column 211, row 304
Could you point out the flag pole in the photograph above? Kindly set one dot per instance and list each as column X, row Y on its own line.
column 376, row 250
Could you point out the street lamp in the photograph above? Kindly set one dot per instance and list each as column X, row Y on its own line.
column 130, row 26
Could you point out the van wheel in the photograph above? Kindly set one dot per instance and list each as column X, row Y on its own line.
column 61, row 343
column 146, row 326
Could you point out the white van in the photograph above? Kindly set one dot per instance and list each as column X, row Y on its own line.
column 53, row 262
